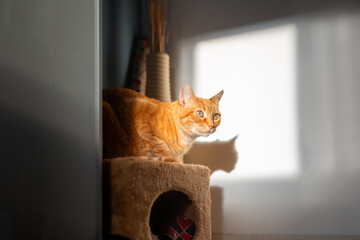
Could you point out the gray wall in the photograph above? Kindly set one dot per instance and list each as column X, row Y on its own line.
column 49, row 120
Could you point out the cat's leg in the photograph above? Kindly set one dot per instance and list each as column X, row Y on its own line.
column 158, row 150
column 154, row 146
column 170, row 159
column 161, row 150
column 158, row 147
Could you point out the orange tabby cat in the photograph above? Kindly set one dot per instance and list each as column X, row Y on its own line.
column 135, row 125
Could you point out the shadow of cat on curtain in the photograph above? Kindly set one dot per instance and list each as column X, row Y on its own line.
column 218, row 155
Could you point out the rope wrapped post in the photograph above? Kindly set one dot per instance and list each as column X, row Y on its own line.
column 158, row 62
column 158, row 76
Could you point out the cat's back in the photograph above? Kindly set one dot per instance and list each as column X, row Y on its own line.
column 127, row 100
column 118, row 95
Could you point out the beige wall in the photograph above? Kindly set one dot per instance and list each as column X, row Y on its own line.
column 323, row 199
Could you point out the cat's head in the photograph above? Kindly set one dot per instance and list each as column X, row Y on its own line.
column 198, row 116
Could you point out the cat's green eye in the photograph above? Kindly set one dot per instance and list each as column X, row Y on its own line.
column 216, row 116
column 199, row 113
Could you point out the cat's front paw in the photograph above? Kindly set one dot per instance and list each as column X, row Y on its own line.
column 170, row 159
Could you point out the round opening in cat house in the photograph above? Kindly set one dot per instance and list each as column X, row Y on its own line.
column 173, row 216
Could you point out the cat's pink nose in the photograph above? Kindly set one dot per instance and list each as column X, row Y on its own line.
column 211, row 126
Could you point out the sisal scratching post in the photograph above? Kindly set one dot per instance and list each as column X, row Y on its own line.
column 158, row 76
column 132, row 185
column 158, row 62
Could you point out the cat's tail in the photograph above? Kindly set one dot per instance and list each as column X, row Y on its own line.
column 114, row 137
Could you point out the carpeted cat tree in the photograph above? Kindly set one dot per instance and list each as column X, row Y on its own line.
column 132, row 188
column 140, row 194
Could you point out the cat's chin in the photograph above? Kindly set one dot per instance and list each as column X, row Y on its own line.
column 202, row 134
column 206, row 134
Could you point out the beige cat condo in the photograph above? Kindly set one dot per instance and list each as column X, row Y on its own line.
column 140, row 194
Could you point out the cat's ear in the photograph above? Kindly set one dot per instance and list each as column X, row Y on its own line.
column 186, row 95
column 217, row 97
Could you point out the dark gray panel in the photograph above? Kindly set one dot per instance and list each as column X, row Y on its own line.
column 49, row 120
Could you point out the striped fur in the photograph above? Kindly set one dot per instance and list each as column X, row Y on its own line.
column 135, row 125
